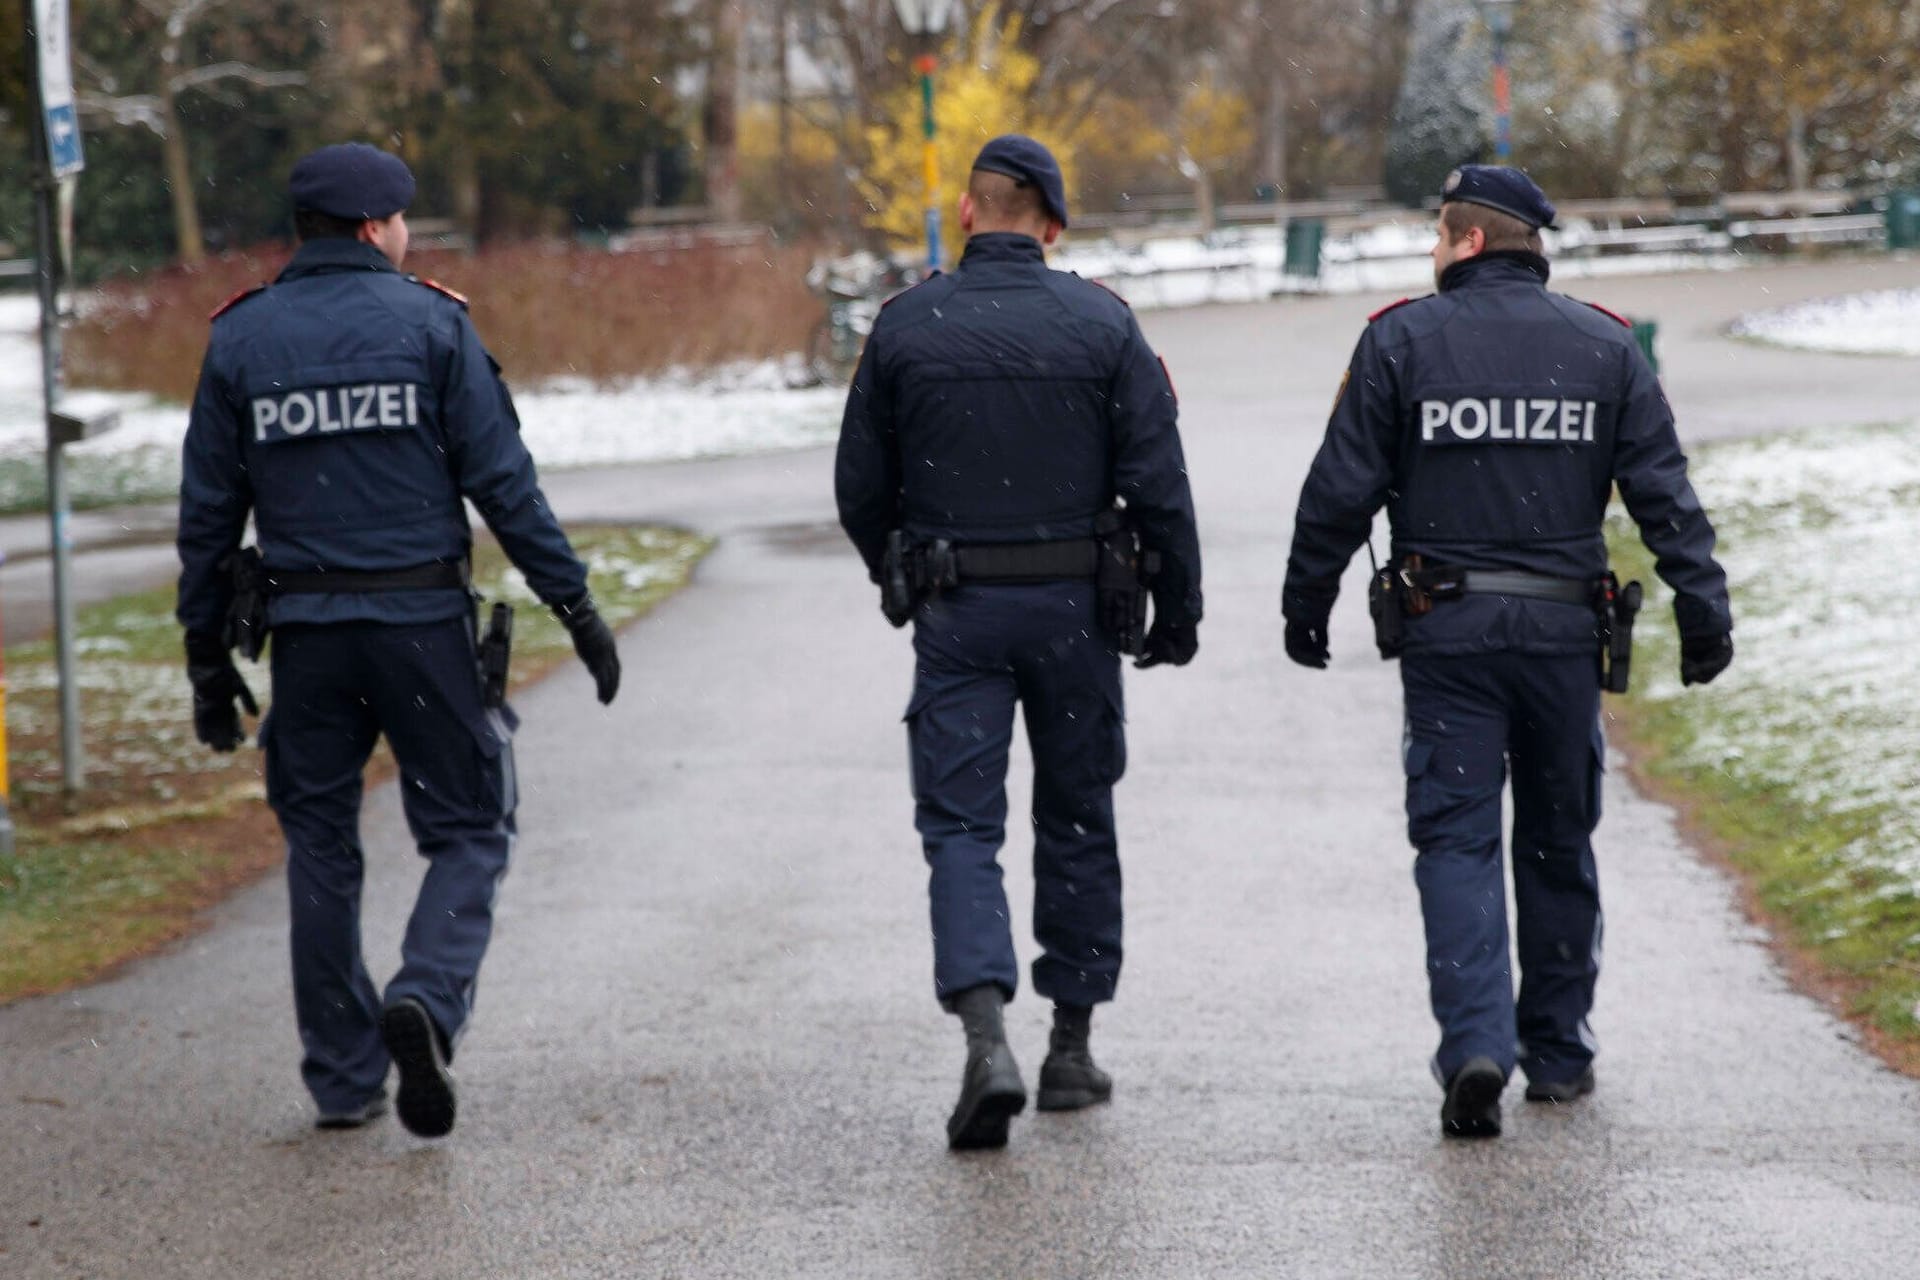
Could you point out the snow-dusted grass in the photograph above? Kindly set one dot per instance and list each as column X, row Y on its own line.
column 165, row 826
column 1804, row 757
column 1886, row 323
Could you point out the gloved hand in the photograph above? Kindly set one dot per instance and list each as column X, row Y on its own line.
column 1704, row 657
column 1307, row 643
column 216, row 683
column 593, row 641
column 1174, row 643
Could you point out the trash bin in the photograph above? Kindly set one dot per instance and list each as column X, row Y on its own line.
column 1903, row 220
column 1304, row 238
column 1643, row 333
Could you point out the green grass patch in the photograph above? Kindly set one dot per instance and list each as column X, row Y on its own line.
column 165, row 827
column 93, row 480
column 1799, row 763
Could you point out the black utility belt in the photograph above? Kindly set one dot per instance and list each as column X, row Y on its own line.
column 1443, row 582
column 456, row 575
column 1410, row 588
column 1066, row 559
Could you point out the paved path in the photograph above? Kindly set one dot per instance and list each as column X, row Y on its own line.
column 707, row 1046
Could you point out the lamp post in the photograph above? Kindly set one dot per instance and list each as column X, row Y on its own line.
column 925, row 20
column 1498, row 15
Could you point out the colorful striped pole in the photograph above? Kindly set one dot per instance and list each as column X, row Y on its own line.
column 925, row 64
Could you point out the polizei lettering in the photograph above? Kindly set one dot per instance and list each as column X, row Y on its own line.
column 372, row 406
column 1507, row 419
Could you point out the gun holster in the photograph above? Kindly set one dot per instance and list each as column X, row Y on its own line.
column 911, row 572
column 245, row 627
column 495, row 649
column 1123, row 581
column 1615, row 608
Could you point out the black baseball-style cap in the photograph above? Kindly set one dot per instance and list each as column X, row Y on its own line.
column 1026, row 161
column 1499, row 187
column 351, row 180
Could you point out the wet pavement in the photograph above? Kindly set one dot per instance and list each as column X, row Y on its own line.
column 706, row 1042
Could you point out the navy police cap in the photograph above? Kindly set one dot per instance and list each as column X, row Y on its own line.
column 1499, row 187
column 1026, row 161
column 351, row 180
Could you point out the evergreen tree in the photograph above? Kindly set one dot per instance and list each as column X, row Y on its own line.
column 1440, row 117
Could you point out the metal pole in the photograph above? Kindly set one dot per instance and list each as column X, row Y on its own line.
column 72, row 765
column 1502, row 96
column 925, row 65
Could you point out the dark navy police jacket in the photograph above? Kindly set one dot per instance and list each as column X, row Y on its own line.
column 350, row 409
column 1492, row 420
column 1007, row 402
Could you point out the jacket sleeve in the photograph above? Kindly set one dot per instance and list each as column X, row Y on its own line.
column 1150, row 472
column 495, row 472
column 1652, row 474
column 1347, row 483
column 216, row 495
column 866, row 470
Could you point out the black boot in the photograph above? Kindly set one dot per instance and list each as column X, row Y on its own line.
column 991, row 1091
column 1068, row 1078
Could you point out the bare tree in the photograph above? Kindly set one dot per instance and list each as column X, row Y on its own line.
column 158, row 110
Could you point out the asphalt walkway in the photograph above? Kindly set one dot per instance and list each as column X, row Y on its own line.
column 706, row 1043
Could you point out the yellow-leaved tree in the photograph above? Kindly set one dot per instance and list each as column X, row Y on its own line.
column 984, row 88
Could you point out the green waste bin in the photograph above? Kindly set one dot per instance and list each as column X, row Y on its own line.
column 1643, row 333
column 1903, row 220
column 1304, row 238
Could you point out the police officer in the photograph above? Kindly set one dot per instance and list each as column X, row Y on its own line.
column 1493, row 420
column 351, row 411
column 996, row 415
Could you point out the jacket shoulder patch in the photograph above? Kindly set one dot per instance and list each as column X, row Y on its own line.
column 1109, row 289
column 235, row 301
column 439, row 288
column 1395, row 306
column 1611, row 315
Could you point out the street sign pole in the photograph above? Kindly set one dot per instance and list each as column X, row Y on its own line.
column 56, row 155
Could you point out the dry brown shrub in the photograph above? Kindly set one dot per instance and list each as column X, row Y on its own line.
column 543, row 310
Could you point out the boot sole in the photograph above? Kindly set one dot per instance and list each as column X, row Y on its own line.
column 425, row 1100
column 1472, row 1108
column 1070, row 1099
column 985, row 1127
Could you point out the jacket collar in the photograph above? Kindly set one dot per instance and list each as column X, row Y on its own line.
column 1002, row 246
column 332, row 253
column 1496, row 266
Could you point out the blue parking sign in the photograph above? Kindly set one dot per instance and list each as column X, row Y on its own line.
column 54, row 61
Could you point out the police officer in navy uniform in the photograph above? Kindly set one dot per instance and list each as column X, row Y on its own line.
column 351, row 411
column 1001, row 410
column 1493, row 420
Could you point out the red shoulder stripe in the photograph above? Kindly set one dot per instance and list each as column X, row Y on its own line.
column 1115, row 292
column 233, row 302
column 931, row 277
column 437, row 287
column 1611, row 315
column 1394, row 306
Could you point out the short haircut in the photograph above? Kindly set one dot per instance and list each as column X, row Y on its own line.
column 311, row 224
column 1502, row 230
column 1005, row 201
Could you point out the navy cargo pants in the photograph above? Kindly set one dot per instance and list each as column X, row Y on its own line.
column 336, row 690
column 1470, row 719
column 980, row 650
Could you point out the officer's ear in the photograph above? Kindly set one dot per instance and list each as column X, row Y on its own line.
column 1051, row 234
column 966, row 213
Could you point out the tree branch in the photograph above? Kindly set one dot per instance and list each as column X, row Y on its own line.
column 253, row 75
column 139, row 108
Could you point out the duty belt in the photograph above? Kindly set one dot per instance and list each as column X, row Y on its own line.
column 1027, row 561
column 455, row 575
column 1444, row 583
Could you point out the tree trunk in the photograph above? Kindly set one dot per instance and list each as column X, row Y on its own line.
column 722, row 114
column 1798, row 176
column 186, row 209
column 783, row 178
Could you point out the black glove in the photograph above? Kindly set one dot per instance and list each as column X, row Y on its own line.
column 1174, row 643
column 1704, row 657
column 1307, row 643
column 216, row 683
column 593, row 641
